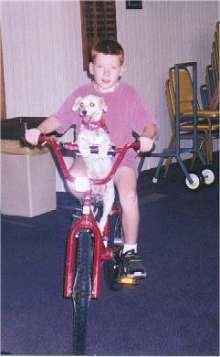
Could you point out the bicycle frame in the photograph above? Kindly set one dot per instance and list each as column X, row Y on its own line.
column 87, row 221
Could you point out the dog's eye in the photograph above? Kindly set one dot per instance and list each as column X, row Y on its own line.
column 91, row 104
column 81, row 104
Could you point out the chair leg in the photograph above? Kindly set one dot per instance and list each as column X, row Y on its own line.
column 202, row 148
column 141, row 163
column 169, row 160
column 209, row 148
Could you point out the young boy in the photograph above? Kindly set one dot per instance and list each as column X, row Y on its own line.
column 126, row 112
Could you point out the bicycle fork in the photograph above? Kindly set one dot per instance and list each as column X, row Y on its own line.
column 100, row 253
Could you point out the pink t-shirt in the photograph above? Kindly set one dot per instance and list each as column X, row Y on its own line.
column 126, row 112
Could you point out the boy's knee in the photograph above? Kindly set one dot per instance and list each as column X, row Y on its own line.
column 129, row 199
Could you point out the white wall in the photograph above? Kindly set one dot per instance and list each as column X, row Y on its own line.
column 42, row 56
column 157, row 37
column 43, row 52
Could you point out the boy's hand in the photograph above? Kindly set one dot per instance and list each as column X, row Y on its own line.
column 32, row 136
column 146, row 144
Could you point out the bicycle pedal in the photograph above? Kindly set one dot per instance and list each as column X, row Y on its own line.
column 126, row 280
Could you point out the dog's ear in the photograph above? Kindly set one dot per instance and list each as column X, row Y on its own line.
column 103, row 105
column 75, row 106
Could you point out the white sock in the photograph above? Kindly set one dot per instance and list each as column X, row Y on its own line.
column 128, row 247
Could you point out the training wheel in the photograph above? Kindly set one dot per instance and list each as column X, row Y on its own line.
column 195, row 184
column 208, row 176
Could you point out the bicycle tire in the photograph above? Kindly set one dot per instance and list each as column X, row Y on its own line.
column 82, row 291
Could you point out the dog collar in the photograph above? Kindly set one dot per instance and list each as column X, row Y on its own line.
column 94, row 126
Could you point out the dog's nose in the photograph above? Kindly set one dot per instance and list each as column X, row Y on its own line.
column 84, row 112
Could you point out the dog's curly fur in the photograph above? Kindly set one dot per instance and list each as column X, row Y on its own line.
column 93, row 132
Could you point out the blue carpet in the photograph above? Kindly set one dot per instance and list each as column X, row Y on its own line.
column 174, row 311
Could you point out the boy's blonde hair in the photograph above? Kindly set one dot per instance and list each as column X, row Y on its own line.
column 108, row 47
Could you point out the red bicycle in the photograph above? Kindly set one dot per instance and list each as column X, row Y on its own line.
column 87, row 248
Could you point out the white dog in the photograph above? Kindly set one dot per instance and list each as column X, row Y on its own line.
column 93, row 131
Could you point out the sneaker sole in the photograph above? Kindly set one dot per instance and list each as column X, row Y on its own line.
column 138, row 275
column 131, row 279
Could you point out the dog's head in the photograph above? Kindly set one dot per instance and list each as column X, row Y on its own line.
column 90, row 106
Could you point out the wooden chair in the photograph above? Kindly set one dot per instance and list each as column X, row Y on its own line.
column 207, row 121
column 210, row 90
column 185, row 132
column 187, row 121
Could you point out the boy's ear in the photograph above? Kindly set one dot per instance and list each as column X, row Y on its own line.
column 122, row 69
column 91, row 71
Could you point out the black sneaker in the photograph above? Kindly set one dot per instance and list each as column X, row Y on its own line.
column 133, row 265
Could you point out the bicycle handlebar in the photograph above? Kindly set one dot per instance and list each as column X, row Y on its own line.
column 57, row 146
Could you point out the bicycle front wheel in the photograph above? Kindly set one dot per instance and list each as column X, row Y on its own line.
column 82, row 291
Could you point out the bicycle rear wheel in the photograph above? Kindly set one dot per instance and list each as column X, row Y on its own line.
column 82, row 291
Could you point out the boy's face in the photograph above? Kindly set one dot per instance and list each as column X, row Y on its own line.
column 106, row 70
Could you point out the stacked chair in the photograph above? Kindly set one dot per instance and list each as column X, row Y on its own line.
column 210, row 89
column 185, row 130
column 188, row 121
column 180, row 103
column 208, row 115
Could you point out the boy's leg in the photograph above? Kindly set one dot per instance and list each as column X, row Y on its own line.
column 126, row 183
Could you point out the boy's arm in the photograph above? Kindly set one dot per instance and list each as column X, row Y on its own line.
column 147, row 137
column 150, row 130
column 49, row 125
